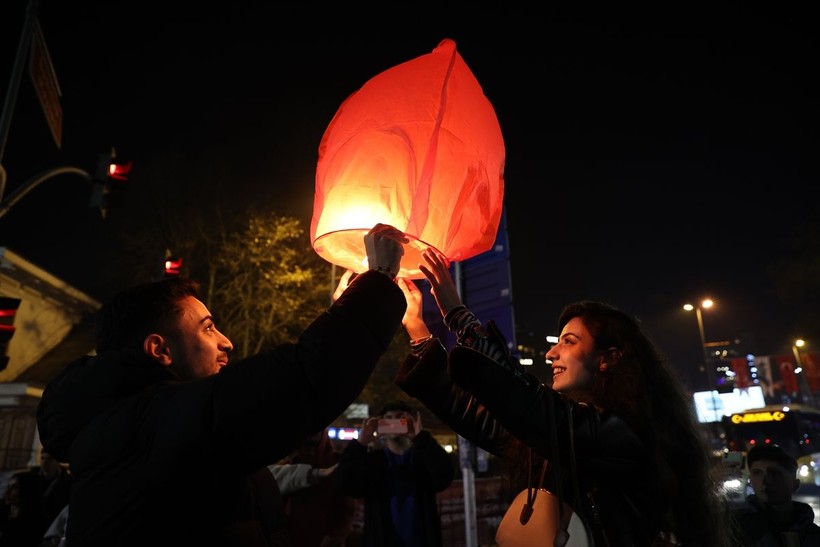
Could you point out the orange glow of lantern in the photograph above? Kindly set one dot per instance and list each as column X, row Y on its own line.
column 418, row 147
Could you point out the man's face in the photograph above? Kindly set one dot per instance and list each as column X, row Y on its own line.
column 197, row 348
column 49, row 467
column 771, row 483
column 12, row 495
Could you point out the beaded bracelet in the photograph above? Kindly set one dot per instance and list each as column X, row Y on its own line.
column 386, row 271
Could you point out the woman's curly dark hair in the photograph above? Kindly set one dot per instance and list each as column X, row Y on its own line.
column 643, row 389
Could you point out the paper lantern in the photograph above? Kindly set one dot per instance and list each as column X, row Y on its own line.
column 418, row 147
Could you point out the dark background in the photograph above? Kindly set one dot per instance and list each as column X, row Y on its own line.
column 653, row 158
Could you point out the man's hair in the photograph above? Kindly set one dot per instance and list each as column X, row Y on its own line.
column 131, row 315
column 774, row 453
column 396, row 405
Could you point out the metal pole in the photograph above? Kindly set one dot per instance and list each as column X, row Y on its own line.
column 808, row 396
column 14, row 85
column 34, row 182
column 466, row 453
column 709, row 381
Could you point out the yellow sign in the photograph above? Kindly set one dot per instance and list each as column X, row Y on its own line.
column 752, row 417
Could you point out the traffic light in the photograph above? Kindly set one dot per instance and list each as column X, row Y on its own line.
column 8, row 311
column 173, row 266
column 108, row 176
column 119, row 171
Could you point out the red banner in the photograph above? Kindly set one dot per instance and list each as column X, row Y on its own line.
column 811, row 368
column 785, row 364
column 741, row 368
column 764, row 375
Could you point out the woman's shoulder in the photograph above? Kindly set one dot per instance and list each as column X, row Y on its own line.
column 607, row 429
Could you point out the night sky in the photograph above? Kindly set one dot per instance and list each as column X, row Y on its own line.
column 652, row 158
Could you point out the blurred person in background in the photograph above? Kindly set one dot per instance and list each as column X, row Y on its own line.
column 318, row 513
column 21, row 519
column 55, row 485
column 770, row 517
column 54, row 535
column 398, row 475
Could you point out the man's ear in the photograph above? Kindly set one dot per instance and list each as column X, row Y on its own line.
column 155, row 347
column 609, row 358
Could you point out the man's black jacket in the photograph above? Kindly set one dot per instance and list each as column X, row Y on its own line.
column 159, row 461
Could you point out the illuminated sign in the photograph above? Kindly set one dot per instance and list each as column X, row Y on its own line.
column 753, row 417
column 712, row 406
column 343, row 433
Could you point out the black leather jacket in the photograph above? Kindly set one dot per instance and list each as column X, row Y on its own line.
column 160, row 461
column 494, row 408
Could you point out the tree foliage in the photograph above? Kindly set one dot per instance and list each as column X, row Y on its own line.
column 269, row 283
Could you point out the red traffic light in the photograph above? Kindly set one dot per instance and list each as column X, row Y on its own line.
column 173, row 267
column 8, row 311
column 110, row 168
column 119, row 171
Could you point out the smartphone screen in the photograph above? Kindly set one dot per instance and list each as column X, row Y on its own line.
column 392, row 425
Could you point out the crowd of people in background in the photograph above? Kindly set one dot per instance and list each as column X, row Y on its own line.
column 317, row 512
column 33, row 502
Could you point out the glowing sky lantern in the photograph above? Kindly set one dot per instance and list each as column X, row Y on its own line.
column 418, row 147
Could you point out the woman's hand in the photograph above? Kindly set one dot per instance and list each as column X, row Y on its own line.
column 413, row 319
column 369, row 428
column 344, row 281
column 437, row 272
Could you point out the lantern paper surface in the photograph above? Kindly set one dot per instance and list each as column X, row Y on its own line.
column 418, row 147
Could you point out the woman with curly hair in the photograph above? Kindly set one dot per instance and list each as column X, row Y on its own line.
column 616, row 424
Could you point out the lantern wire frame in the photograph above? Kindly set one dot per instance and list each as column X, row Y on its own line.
column 345, row 248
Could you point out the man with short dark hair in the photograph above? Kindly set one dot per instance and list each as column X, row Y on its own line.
column 770, row 517
column 398, row 469
column 168, row 443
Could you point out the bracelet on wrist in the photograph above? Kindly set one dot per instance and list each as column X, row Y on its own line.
column 386, row 271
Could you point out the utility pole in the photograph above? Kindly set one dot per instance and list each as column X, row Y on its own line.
column 466, row 452
column 23, row 49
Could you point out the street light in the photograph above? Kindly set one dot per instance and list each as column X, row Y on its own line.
column 705, row 304
column 808, row 396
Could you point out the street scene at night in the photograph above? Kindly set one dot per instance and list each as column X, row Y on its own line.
column 657, row 165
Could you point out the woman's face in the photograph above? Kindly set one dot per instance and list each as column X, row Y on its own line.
column 575, row 361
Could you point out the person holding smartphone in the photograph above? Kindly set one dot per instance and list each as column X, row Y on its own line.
column 397, row 468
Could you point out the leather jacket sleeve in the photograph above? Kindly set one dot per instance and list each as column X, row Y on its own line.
column 604, row 443
column 434, row 461
column 425, row 377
